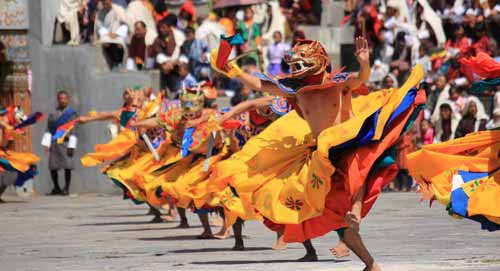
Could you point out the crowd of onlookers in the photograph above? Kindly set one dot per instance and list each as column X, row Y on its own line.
column 147, row 34
column 435, row 34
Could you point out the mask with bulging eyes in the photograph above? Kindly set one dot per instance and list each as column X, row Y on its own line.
column 192, row 104
column 307, row 58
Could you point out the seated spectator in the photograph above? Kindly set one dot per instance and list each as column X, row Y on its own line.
column 471, row 120
column 446, row 124
column 456, row 100
column 427, row 132
column 197, row 53
column 171, row 21
column 69, row 20
column 164, row 43
column 112, row 33
column 389, row 81
column 275, row 54
column 459, row 41
column 169, row 75
column 138, row 49
column 142, row 10
column 185, row 77
column 439, row 93
column 161, row 10
column 482, row 43
column 242, row 93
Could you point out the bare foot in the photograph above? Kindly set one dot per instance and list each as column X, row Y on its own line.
column 374, row 267
column 223, row 234
column 352, row 221
column 167, row 218
column 309, row 258
column 280, row 244
column 340, row 250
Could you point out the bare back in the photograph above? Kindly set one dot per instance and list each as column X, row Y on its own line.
column 324, row 108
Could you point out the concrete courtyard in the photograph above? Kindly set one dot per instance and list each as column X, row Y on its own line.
column 103, row 232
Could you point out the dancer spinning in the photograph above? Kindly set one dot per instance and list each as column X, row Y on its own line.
column 323, row 172
column 15, row 167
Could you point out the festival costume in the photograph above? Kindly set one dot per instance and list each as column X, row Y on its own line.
column 305, row 186
column 463, row 174
column 123, row 151
column 250, row 124
column 17, row 167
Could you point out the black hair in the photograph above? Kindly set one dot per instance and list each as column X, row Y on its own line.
column 142, row 23
column 189, row 29
column 62, row 92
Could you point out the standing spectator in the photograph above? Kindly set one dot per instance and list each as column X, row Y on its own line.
column 138, row 49
column 275, row 54
column 60, row 154
column 427, row 132
column 471, row 120
column 446, row 124
column 197, row 53
column 164, row 43
column 250, row 32
column 112, row 33
column 70, row 17
column 495, row 119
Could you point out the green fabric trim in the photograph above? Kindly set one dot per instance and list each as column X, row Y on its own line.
column 341, row 232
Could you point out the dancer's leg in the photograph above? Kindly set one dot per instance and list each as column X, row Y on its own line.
column 207, row 231
column 184, row 222
column 280, row 241
column 311, row 255
column 238, row 235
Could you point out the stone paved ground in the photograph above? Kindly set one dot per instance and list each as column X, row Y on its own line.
column 93, row 232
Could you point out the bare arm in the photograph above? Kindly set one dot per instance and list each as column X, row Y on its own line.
column 255, row 83
column 147, row 123
column 363, row 56
column 246, row 106
column 101, row 116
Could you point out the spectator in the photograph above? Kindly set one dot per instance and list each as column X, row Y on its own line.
column 242, row 93
column 187, row 16
column 137, row 50
column 185, row 77
column 427, row 132
column 229, row 21
column 482, row 43
column 438, row 94
column 168, row 73
column 197, row 53
column 401, row 59
column 495, row 119
column 424, row 59
column 298, row 35
column 69, row 20
column 471, row 120
column 456, row 100
column 446, row 124
column 275, row 54
column 112, row 33
column 171, row 21
column 250, row 32
column 165, row 42
column 389, row 81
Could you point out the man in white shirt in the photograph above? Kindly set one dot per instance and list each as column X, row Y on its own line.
column 112, row 33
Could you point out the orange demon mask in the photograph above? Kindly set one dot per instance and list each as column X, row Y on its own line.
column 307, row 58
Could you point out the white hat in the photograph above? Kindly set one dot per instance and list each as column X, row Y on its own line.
column 161, row 58
column 393, row 4
column 183, row 59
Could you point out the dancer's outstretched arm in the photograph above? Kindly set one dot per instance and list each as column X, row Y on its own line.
column 246, row 106
column 147, row 123
column 100, row 116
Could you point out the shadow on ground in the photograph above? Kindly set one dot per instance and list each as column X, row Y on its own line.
column 261, row 261
column 218, row 249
